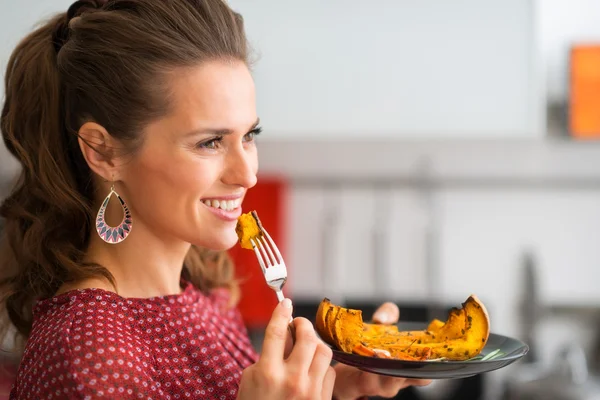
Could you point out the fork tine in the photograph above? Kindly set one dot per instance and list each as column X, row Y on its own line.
column 266, row 258
column 266, row 246
column 259, row 256
column 274, row 246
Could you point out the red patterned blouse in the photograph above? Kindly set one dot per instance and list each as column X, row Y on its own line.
column 92, row 343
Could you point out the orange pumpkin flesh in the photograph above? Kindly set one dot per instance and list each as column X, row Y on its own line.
column 462, row 336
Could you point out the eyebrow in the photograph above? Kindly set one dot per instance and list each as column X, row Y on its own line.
column 217, row 131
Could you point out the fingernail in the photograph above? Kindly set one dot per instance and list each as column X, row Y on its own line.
column 287, row 303
column 382, row 317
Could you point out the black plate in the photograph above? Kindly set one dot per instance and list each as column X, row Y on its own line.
column 513, row 350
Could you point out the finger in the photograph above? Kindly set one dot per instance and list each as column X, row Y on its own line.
column 276, row 333
column 328, row 384
column 304, row 347
column 289, row 346
column 390, row 386
column 380, row 385
column 348, row 382
column 387, row 313
column 418, row 382
column 368, row 384
column 320, row 364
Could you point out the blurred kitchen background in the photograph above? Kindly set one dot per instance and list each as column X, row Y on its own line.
column 418, row 152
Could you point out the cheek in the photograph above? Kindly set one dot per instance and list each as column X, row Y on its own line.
column 169, row 184
column 190, row 180
column 254, row 159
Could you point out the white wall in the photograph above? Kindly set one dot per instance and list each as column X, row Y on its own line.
column 389, row 68
column 459, row 68
column 299, row 71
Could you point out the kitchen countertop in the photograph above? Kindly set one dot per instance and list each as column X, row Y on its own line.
column 499, row 163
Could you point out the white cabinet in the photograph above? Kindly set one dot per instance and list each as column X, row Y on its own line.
column 375, row 243
column 484, row 235
column 485, row 232
column 357, row 243
column 305, row 241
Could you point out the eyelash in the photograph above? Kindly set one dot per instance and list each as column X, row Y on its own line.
column 217, row 141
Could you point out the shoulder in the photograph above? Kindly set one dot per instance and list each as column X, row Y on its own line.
column 83, row 342
column 85, row 284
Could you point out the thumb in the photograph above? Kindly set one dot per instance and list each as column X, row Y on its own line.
column 387, row 313
column 276, row 332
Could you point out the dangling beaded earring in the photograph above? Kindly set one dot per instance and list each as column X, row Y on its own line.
column 109, row 233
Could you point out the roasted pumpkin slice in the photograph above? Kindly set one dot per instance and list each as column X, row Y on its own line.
column 453, row 328
column 347, row 329
column 435, row 325
column 329, row 323
column 370, row 329
column 462, row 336
column 321, row 324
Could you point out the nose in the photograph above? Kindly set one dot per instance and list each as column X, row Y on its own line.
column 241, row 167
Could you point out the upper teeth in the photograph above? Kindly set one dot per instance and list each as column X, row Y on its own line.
column 226, row 205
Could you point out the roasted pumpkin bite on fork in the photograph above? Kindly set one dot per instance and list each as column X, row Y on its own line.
column 248, row 227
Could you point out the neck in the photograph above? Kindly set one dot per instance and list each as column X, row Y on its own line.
column 143, row 265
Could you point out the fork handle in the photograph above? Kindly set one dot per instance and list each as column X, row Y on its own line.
column 280, row 295
column 291, row 327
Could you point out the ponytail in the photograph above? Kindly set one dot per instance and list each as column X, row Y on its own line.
column 45, row 205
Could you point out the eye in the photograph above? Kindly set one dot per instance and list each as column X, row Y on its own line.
column 211, row 144
column 250, row 136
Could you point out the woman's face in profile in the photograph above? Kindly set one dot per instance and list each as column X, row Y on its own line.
column 189, row 178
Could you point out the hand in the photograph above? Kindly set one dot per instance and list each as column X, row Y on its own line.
column 305, row 374
column 352, row 383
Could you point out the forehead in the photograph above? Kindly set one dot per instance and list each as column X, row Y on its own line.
column 213, row 93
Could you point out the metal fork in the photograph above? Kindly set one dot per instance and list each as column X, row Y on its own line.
column 272, row 265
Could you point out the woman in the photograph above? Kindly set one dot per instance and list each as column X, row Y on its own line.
column 134, row 122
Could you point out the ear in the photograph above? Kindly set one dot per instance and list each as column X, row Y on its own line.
column 99, row 149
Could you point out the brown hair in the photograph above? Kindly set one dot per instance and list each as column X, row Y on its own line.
column 103, row 62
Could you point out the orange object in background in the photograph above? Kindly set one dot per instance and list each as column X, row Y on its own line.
column 268, row 198
column 584, row 96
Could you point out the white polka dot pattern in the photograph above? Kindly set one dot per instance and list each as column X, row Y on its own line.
column 90, row 343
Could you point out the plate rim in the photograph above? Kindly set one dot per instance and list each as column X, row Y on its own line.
column 415, row 367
